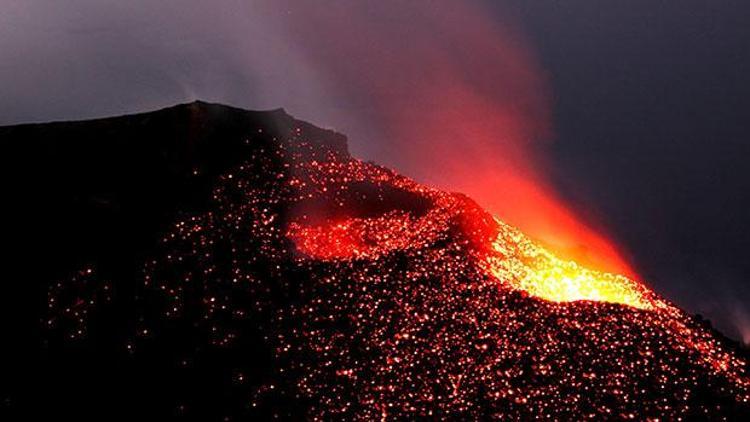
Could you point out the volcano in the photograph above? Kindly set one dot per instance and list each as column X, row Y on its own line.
column 204, row 262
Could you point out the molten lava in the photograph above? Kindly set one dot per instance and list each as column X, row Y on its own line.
column 312, row 285
column 529, row 267
column 378, row 297
column 513, row 258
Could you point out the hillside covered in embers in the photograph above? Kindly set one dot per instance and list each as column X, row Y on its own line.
column 206, row 262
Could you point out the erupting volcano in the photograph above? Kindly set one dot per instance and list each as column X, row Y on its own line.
column 298, row 281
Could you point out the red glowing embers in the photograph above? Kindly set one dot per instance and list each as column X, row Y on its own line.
column 504, row 252
column 354, row 237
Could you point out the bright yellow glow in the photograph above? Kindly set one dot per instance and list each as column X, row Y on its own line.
column 524, row 265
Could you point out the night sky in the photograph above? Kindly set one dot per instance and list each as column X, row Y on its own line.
column 646, row 126
column 652, row 113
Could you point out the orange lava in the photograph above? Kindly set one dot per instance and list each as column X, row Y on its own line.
column 513, row 258
column 526, row 266
column 410, row 302
column 509, row 256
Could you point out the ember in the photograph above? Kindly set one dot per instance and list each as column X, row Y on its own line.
column 373, row 296
column 480, row 263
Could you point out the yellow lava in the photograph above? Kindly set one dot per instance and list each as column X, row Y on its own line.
column 527, row 266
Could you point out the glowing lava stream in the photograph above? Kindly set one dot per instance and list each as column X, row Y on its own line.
column 512, row 258
column 515, row 260
column 526, row 266
column 466, row 247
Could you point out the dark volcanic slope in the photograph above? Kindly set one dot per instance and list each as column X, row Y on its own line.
column 100, row 192
column 210, row 263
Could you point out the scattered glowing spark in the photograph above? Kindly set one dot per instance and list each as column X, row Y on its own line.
column 427, row 308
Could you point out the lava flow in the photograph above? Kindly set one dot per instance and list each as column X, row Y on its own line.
column 530, row 267
column 514, row 259
column 471, row 253
column 365, row 295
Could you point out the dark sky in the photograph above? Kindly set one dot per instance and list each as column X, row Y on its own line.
column 652, row 114
column 643, row 107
